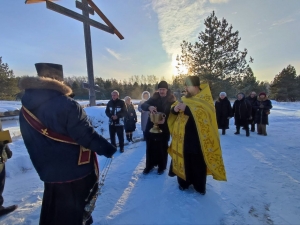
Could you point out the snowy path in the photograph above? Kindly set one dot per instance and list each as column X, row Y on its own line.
column 263, row 183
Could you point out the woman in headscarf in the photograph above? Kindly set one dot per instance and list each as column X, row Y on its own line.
column 144, row 114
column 223, row 112
column 262, row 107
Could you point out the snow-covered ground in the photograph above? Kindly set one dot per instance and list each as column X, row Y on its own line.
column 263, row 184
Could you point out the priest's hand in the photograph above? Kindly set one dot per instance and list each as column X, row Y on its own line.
column 181, row 107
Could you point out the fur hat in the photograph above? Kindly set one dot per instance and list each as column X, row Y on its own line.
column 162, row 84
column 262, row 93
column 50, row 70
column 192, row 81
column 222, row 94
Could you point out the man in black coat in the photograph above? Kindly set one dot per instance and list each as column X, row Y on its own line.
column 116, row 111
column 62, row 146
column 157, row 143
column 252, row 98
column 242, row 113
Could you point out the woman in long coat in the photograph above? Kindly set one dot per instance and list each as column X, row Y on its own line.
column 242, row 113
column 262, row 107
column 130, row 119
column 223, row 112
column 144, row 114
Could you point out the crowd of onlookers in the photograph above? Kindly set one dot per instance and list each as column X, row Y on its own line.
column 246, row 111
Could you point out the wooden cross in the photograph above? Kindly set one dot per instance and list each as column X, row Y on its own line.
column 87, row 7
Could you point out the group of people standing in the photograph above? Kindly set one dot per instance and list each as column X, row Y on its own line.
column 63, row 145
column 246, row 111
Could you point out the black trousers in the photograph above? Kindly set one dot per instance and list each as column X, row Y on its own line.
column 63, row 203
column 156, row 152
column 195, row 169
column 119, row 130
column 2, row 183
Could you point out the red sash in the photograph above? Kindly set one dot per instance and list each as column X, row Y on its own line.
column 85, row 154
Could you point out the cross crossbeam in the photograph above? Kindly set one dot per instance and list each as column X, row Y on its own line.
column 87, row 22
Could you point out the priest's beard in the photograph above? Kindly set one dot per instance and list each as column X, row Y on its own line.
column 188, row 94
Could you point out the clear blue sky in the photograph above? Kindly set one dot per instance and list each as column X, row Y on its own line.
column 153, row 31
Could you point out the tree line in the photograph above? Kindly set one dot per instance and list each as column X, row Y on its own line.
column 215, row 58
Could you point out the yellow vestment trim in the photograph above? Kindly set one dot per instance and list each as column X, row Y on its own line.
column 203, row 111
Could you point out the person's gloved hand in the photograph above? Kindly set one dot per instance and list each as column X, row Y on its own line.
column 109, row 153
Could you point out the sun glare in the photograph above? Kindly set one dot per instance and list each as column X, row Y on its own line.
column 178, row 69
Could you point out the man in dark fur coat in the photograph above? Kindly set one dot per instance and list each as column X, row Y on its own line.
column 242, row 113
column 62, row 146
column 157, row 144
column 252, row 98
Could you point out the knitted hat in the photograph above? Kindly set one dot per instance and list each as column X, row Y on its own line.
column 222, row 94
column 162, row 84
column 192, row 81
column 50, row 70
column 262, row 93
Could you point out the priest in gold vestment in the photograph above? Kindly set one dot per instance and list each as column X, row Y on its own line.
column 195, row 148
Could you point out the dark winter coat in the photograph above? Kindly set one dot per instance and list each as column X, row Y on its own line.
column 116, row 107
column 130, row 118
column 242, row 112
column 223, row 112
column 163, row 104
column 57, row 161
column 253, row 112
column 262, row 107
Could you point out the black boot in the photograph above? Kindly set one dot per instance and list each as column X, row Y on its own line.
column 252, row 127
column 128, row 137
column 237, row 130
column 247, row 132
column 223, row 131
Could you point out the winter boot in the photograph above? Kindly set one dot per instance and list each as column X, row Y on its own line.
column 223, row 131
column 247, row 132
column 237, row 130
column 252, row 127
column 264, row 129
column 259, row 129
column 128, row 137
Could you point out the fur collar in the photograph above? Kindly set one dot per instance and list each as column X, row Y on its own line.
column 44, row 83
column 170, row 96
column 262, row 100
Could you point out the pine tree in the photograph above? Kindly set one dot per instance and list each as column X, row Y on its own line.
column 215, row 57
column 284, row 86
column 8, row 82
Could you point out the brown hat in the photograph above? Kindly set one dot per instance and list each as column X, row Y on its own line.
column 51, row 70
column 192, row 81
